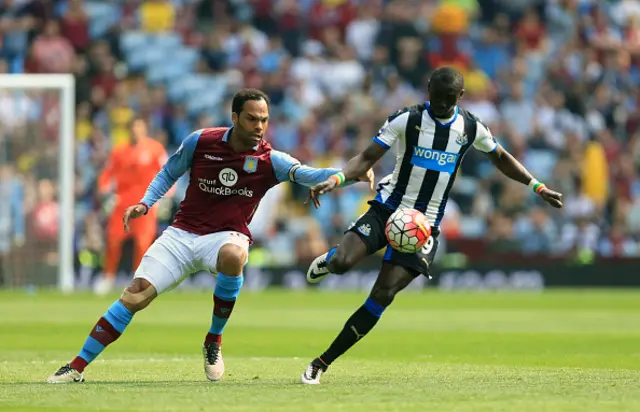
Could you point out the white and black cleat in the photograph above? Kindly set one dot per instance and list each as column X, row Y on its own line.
column 318, row 269
column 312, row 374
column 66, row 374
column 213, row 362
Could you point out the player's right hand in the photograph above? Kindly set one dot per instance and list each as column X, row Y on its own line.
column 551, row 197
column 321, row 188
column 133, row 212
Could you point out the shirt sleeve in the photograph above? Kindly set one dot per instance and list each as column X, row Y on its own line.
column 175, row 167
column 485, row 142
column 289, row 169
column 392, row 130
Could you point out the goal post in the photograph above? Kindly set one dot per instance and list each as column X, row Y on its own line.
column 64, row 84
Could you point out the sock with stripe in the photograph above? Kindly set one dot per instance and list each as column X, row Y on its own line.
column 108, row 328
column 224, row 299
column 358, row 325
column 330, row 253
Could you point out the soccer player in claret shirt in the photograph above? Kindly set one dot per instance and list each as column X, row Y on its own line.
column 231, row 169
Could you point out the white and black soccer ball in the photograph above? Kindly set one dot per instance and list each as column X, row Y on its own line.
column 407, row 230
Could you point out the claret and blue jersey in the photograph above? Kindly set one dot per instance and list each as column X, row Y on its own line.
column 225, row 187
column 224, row 191
column 428, row 154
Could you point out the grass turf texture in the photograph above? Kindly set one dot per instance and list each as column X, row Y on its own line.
column 556, row 351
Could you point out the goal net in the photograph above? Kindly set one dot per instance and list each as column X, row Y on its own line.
column 37, row 180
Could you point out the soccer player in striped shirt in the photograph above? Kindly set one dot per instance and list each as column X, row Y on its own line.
column 431, row 140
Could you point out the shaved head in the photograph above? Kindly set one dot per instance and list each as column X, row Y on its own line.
column 446, row 87
column 447, row 77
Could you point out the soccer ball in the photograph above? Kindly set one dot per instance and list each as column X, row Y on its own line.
column 407, row 230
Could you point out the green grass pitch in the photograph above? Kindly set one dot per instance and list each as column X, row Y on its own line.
column 553, row 351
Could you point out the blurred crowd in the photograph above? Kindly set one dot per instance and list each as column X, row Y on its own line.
column 555, row 80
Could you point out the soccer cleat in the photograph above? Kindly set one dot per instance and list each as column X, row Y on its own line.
column 66, row 374
column 213, row 363
column 318, row 269
column 312, row 374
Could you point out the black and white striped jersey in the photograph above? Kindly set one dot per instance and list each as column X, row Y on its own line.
column 428, row 154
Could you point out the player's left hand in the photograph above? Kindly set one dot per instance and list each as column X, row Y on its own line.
column 551, row 197
column 133, row 212
column 321, row 188
column 368, row 177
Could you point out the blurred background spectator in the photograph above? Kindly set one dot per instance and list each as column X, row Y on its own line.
column 555, row 80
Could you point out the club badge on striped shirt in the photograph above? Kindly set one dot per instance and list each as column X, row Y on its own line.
column 462, row 139
column 250, row 164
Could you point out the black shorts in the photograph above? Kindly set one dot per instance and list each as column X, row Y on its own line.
column 371, row 226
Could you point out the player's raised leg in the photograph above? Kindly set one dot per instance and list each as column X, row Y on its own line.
column 364, row 237
column 107, row 330
column 230, row 262
column 391, row 280
column 338, row 259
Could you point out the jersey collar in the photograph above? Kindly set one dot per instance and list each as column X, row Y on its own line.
column 447, row 124
column 225, row 137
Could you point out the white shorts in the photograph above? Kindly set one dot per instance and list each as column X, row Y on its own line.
column 176, row 254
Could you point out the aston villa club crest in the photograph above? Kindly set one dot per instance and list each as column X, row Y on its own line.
column 462, row 139
column 250, row 164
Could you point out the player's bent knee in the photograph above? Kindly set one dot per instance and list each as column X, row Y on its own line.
column 382, row 296
column 231, row 259
column 138, row 295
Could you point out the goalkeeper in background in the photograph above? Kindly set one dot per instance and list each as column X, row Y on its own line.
column 129, row 170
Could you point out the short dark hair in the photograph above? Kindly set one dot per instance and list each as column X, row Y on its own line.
column 244, row 95
column 447, row 77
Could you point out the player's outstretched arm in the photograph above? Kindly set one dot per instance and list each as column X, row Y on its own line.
column 288, row 169
column 511, row 167
column 360, row 164
column 175, row 167
column 393, row 129
column 359, row 168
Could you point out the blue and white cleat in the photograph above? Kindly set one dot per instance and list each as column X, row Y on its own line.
column 318, row 269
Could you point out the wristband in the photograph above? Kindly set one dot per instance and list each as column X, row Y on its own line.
column 539, row 187
column 536, row 186
column 145, row 207
column 338, row 178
